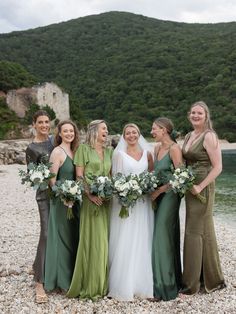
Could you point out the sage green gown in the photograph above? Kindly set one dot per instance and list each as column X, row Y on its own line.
column 201, row 258
column 166, row 261
column 63, row 237
column 90, row 278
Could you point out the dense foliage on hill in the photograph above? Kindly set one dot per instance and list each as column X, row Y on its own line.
column 129, row 68
column 13, row 75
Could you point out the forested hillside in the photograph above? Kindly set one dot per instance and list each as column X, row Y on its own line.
column 125, row 67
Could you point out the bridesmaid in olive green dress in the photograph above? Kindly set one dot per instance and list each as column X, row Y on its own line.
column 90, row 278
column 63, row 233
column 166, row 238
column 201, row 150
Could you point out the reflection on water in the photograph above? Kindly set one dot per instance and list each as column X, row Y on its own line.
column 225, row 202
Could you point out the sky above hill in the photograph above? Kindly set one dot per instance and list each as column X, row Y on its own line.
column 25, row 14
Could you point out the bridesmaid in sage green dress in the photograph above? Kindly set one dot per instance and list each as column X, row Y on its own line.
column 63, row 233
column 201, row 150
column 90, row 278
column 166, row 261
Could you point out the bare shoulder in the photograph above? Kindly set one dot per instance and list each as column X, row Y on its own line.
column 57, row 153
column 156, row 149
column 211, row 140
column 175, row 148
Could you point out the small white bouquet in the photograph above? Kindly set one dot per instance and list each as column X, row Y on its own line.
column 100, row 186
column 149, row 181
column 182, row 180
column 69, row 191
column 37, row 175
column 128, row 190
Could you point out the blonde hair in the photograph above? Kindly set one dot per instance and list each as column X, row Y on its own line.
column 92, row 132
column 58, row 139
column 132, row 125
column 203, row 105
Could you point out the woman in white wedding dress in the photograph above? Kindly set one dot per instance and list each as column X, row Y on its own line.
column 130, row 243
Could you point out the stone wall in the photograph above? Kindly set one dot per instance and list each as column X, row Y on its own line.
column 13, row 151
column 43, row 94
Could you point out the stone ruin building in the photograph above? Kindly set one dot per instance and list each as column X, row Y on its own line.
column 42, row 94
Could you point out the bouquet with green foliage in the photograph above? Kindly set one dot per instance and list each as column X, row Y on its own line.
column 182, row 180
column 100, row 186
column 69, row 191
column 37, row 175
column 149, row 181
column 127, row 190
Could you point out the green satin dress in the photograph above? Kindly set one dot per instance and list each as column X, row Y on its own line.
column 90, row 278
column 63, row 237
column 166, row 261
column 201, row 258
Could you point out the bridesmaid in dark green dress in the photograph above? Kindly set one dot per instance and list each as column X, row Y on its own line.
column 39, row 151
column 166, row 238
column 201, row 150
column 63, row 233
column 90, row 278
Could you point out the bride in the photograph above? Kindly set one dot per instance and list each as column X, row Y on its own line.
column 130, row 243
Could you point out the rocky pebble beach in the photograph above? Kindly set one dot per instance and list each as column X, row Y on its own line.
column 19, row 230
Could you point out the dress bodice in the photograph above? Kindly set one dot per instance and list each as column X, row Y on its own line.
column 164, row 165
column 39, row 152
column 67, row 170
column 131, row 165
column 88, row 158
column 197, row 157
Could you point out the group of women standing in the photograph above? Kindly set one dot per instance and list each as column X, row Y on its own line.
column 97, row 253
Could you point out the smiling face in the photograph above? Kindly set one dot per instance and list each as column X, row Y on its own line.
column 197, row 116
column 102, row 132
column 42, row 125
column 131, row 135
column 157, row 132
column 67, row 133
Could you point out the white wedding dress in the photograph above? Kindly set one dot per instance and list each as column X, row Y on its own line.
column 130, row 242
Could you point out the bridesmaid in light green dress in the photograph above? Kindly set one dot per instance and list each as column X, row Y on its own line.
column 201, row 150
column 90, row 278
column 63, row 234
column 166, row 237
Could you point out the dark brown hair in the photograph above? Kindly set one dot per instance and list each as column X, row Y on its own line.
column 58, row 140
column 40, row 113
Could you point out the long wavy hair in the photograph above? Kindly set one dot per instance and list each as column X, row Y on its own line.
column 92, row 132
column 58, row 139
column 208, row 122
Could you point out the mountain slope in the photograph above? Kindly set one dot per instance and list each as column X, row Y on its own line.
column 125, row 67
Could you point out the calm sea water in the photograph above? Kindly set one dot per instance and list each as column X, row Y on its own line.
column 225, row 202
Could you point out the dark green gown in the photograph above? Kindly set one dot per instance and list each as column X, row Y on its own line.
column 166, row 240
column 201, row 257
column 63, row 237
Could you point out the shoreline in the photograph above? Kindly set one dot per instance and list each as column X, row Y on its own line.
column 19, row 231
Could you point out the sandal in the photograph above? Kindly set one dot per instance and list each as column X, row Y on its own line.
column 41, row 298
column 40, row 295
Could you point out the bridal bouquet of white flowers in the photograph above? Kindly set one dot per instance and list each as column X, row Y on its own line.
column 37, row 175
column 128, row 190
column 69, row 191
column 149, row 181
column 182, row 180
column 100, row 186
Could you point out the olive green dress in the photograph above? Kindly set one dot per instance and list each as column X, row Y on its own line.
column 201, row 258
column 166, row 261
column 63, row 237
column 90, row 278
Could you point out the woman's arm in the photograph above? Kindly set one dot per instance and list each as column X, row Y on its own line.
column 150, row 162
column 56, row 158
column 212, row 146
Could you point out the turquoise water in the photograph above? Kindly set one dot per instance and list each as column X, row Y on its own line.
column 225, row 202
